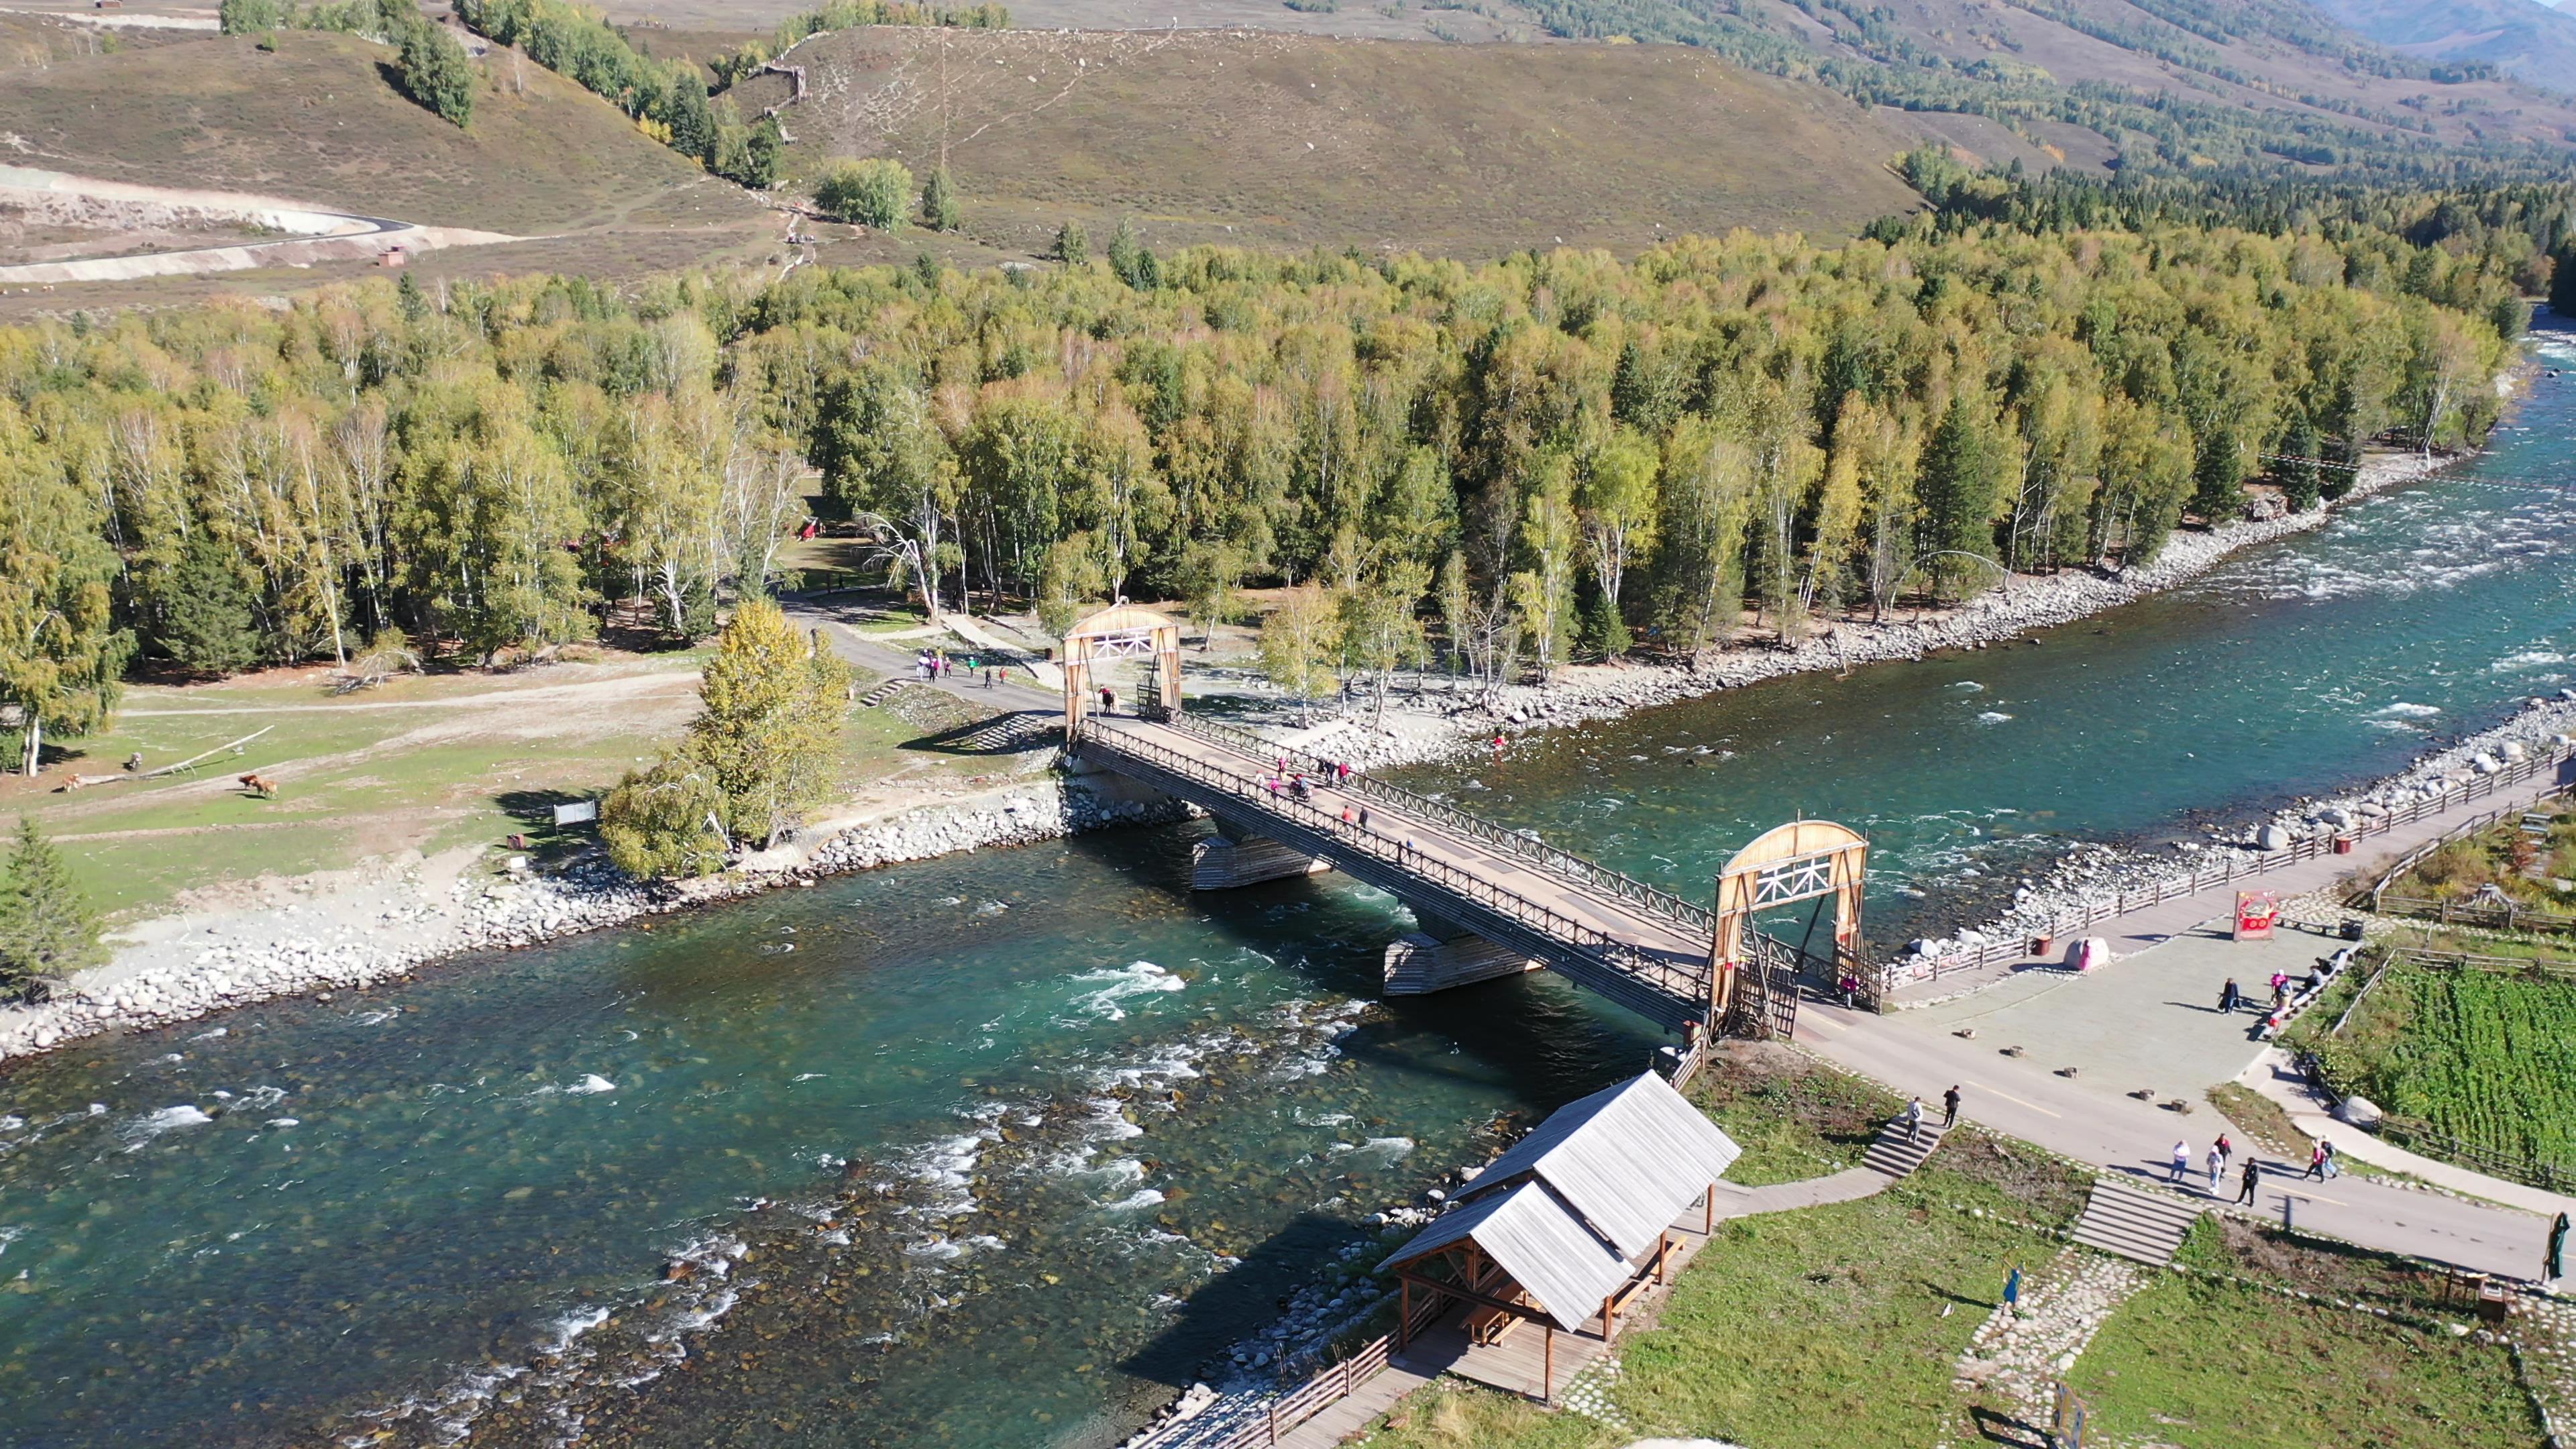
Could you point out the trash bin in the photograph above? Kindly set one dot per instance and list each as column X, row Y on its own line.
column 2343, row 845
column 2039, row 944
column 2352, row 928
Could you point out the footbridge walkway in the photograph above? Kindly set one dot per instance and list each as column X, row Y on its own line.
column 1644, row 948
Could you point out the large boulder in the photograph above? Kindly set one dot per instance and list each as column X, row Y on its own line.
column 2359, row 1112
column 2273, row 837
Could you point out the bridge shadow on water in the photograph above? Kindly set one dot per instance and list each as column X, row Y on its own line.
column 1535, row 1036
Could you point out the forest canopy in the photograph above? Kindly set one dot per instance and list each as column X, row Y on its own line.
column 1550, row 452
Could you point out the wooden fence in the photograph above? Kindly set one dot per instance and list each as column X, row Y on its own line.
column 1330, row 1385
column 2075, row 919
column 2506, row 917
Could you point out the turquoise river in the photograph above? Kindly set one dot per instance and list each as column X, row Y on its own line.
column 998, row 1150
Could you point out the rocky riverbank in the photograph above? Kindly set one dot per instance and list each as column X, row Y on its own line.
column 1432, row 726
column 2093, row 872
column 348, row 931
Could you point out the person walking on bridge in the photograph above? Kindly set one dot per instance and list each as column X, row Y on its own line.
column 2217, row 1165
column 2229, row 998
column 2246, row 1184
column 2181, row 1161
column 2554, row 1266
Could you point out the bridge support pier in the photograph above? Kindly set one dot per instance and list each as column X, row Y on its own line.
column 1235, row 858
column 1442, row 955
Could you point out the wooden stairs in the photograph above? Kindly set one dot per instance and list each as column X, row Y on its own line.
column 2135, row 1222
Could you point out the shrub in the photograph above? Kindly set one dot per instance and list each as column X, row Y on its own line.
column 875, row 192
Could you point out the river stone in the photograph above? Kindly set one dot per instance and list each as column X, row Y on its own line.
column 2358, row 1112
column 2274, row 837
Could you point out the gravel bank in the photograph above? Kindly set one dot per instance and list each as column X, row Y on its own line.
column 389, row 927
column 1583, row 693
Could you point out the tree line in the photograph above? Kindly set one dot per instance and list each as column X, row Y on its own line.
column 1548, row 453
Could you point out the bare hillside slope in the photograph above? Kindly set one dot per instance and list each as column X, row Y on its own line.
column 319, row 122
column 1311, row 141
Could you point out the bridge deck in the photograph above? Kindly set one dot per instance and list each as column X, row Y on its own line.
column 1579, row 919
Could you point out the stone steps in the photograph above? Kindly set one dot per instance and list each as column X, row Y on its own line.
column 1891, row 1154
column 2134, row 1222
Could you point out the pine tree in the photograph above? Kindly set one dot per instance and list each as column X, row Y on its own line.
column 1072, row 244
column 1961, row 483
column 2301, row 482
column 761, row 152
column 210, row 624
column 939, row 210
column 1136, row 266
column 432, row 70
column 2218, row 476
column 47, row 927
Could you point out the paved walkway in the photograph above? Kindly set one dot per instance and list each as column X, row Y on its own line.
column 2273, row 1075
column 2148, row 1022
column 2087, row 1119
column 2153, row 925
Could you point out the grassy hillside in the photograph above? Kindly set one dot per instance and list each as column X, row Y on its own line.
column 2529, row 38
column 28, row 39
column 2270, row 55
column 1376, row 144
column 318, row 121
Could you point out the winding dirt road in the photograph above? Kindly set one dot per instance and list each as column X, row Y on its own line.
column 314, row 234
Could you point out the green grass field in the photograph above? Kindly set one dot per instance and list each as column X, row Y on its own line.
column 2201, row 1363
column 422, row 764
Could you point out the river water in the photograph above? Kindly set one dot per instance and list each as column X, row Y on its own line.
column 996, row 1150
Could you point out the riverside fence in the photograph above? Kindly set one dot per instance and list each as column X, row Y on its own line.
column 1268, row 1423
column 2075, row 918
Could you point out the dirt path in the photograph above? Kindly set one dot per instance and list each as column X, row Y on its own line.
column 315, row 234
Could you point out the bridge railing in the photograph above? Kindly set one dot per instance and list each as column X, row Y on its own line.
column 1528, row 849
column 1685, row 983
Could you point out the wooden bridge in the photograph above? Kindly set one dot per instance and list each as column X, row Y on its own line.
column 1492, row 901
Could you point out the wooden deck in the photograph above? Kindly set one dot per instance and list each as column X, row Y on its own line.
column 1636, row 945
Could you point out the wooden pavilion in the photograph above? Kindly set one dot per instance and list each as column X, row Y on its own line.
column 1566, row 1229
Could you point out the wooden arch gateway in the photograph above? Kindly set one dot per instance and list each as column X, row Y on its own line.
column 1800, row 861
column 1122, row 631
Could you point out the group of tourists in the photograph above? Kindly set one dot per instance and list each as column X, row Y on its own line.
column 932, row 665
column 2322, row 1164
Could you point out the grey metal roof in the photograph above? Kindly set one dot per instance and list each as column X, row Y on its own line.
column 1629, row 1158
column 1531, row 1234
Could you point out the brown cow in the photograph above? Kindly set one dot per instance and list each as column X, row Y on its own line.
column 260, row 785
